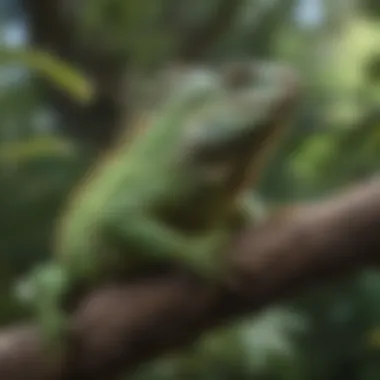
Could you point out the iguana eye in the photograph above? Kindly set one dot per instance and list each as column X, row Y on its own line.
column 237, row 77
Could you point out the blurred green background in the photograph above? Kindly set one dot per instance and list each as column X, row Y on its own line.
column 50, row 133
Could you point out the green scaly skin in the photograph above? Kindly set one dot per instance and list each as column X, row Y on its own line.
column 174, row 193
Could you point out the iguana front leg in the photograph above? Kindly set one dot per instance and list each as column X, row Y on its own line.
column 44, row 290
column 156, row 240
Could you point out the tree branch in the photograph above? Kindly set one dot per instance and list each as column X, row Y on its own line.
column 123, row 325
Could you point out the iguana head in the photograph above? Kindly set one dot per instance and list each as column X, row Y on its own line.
column 226, row 137
column 230, row 135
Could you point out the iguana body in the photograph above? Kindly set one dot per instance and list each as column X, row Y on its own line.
column 172, row 194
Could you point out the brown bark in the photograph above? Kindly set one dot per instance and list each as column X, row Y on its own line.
column 121, row 326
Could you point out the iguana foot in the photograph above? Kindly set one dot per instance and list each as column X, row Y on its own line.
column 206, row 267
column 205, row 259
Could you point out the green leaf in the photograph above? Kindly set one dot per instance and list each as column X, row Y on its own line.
column 34, row 148
column 61, row 74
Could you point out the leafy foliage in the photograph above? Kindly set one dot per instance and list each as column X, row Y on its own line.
column 327, row 334
column 63, row 75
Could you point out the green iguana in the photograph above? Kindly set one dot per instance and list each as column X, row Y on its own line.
column 172, row 193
